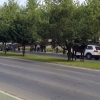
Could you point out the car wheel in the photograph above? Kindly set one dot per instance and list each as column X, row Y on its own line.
column 89, row 56
column 97, row 58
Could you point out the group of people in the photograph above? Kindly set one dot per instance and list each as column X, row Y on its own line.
column 38, row 48
column 41, row 48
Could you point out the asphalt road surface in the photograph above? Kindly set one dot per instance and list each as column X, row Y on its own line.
column 31, row 80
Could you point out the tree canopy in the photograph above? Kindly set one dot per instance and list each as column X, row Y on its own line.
column 63, row 21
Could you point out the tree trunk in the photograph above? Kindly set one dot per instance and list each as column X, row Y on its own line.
column 5, row 47
column 69, row 54
column 23, row 50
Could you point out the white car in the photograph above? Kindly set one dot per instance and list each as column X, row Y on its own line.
column 92, row 51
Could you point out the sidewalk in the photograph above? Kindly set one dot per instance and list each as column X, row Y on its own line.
column 6, row 96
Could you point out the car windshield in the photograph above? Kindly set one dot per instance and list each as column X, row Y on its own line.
column 97, row 48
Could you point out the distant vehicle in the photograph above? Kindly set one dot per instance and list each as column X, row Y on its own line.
column 8, row 48
column 92, row 51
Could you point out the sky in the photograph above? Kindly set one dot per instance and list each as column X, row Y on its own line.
column 22, row 2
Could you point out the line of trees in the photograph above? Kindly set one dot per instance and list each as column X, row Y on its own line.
column 63, row 21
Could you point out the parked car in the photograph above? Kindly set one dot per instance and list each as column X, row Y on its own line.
column 92, row 51
column 8, row 48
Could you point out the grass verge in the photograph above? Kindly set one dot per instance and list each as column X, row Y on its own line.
column 92, row 65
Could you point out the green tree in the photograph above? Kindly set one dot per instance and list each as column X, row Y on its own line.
column 42, row 22
column 21, row 30
column 72, row 21
column 55, row 22
column 7, row 13
column 87, row 22
column 62, row 23
column 93, row 7
column 23, row 26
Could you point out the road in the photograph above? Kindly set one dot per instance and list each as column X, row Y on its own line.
column 32, row 80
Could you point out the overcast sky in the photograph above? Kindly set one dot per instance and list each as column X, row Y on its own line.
column 22, row 2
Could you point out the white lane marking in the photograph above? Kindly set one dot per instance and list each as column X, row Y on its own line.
column 10, row 95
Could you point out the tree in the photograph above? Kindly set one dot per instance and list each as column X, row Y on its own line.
column 23, row 26
column 7, row 13
column 42, row 22
column 62, row 23
column 55, row 22
column 4, row 35
column 21, row 30
column 93, row 7
column 72, row 21
column 87, row 22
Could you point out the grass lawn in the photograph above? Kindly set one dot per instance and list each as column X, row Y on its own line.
column 92, row 65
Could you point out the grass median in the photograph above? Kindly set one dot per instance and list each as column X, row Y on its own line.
column 92, row 65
